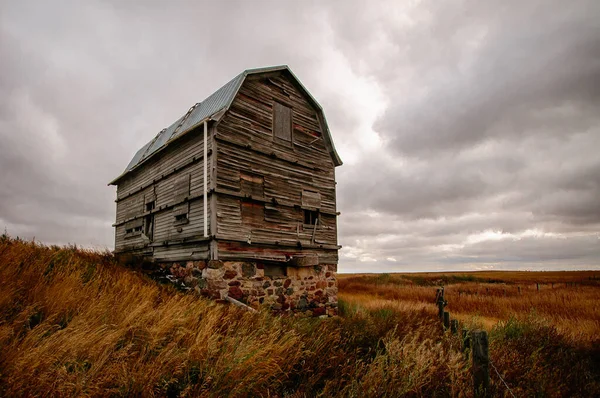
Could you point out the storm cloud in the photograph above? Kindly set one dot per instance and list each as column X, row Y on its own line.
column 470, row 130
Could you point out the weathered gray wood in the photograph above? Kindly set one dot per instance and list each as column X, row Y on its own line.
column 267, row 162
column 282, row 121
column 304, row 261
column 481, row 360
column 311, row 199
column 239, row 304
column 173, row 181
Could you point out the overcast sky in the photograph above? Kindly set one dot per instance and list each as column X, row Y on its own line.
column 469, row 130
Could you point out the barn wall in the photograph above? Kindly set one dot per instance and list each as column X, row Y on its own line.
column 263, row 184
column 174, row 181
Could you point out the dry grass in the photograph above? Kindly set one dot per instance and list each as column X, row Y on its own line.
column 567, row 300
column 75, row 323
column 538, row 335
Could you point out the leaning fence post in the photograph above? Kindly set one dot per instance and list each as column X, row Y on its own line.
column 454, row 326
column 481, row 360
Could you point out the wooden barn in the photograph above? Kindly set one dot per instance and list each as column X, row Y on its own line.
column 237, row 197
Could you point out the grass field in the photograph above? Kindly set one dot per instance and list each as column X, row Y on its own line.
column 568, row 300
column 75, row 323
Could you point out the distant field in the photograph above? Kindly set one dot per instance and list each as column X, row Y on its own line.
column 569, row 300
column 77, row 323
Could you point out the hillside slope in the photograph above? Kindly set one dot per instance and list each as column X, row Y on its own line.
column 73, row 322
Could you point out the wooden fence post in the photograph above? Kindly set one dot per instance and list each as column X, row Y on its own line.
column 519, row 287
column 454, row 326
column 481, row 360
column 538, row 287
column 441, row 302
column 446, row 320
column 466, row 338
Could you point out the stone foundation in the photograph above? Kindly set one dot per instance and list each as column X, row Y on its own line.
column 305, row 291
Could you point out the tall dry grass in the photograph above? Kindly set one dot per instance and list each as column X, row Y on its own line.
column 75, row 323
column 569, row 304
column 544, row 342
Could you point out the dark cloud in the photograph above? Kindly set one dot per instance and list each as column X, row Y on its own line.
column 519, row 78
column 469, row 130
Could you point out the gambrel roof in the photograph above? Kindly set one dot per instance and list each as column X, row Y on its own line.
column 214, row 104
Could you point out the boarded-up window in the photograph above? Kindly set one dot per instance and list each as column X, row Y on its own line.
column 311, row 199
column 252, row 184
column 180, row 214
column 135, row 206
column 133, row 228
column 150, row 200
column 252, row 213
column 282, row 122
column 181, row 188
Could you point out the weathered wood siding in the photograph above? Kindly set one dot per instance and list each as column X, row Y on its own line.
column 163, row 179
column 248, row 155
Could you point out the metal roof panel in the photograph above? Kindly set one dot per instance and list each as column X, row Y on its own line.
column 217, row 101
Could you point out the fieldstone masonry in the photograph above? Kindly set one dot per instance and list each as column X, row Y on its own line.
column 303, row 291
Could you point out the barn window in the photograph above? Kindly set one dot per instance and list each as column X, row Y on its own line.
column 252, row 213
column 135, row 206
column 282, row 122
column 311, row 199
column 311, row 217
column 252, row 184
column 181, row 214
column 150, row 201
column 150, row 206
column 133, row 228
column 181, row 186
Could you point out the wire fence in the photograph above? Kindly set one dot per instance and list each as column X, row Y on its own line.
column 481, row 346
column 502, row 379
